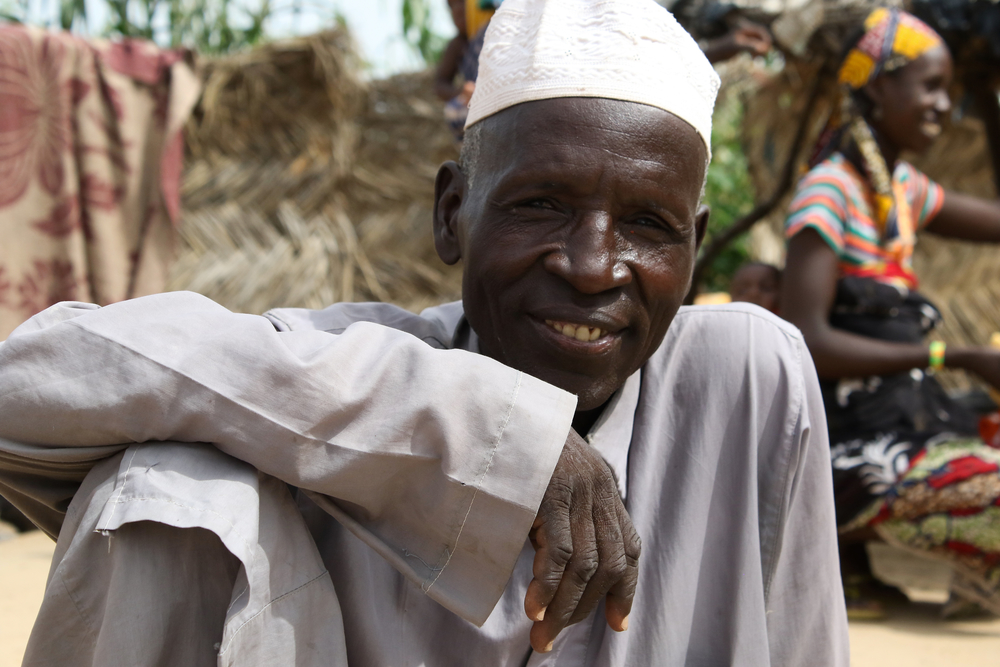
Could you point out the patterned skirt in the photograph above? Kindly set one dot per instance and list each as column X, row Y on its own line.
column 941, row 499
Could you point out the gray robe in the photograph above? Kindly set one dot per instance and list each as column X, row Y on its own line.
column 431, row 461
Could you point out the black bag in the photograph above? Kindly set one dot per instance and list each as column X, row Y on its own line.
column 913, row 405
column 870, row 308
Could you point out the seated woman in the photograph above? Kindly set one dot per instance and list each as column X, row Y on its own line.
column 908, row 464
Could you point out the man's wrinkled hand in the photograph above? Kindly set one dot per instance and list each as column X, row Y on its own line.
column 585, row 547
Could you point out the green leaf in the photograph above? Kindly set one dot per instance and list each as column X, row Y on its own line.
column 728, row 191
column 418, row 33
column 70, row 11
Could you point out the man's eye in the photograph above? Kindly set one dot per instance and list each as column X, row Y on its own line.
column 654, row 228
column 648, row 221
column 539, row 203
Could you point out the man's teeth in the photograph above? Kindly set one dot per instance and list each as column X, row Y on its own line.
column 577, row 331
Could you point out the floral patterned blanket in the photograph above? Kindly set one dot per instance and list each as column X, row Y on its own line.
column 91, row 150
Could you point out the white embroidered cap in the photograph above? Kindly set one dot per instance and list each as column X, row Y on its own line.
column 631, row 50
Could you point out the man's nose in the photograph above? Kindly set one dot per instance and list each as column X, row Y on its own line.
column 589, row 258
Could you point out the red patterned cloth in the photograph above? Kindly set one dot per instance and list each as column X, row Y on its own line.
column 91, row 151
column 944, row 502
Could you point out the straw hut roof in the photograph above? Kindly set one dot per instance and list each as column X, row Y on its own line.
column 305, row 185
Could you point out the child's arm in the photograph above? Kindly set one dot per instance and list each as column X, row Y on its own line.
column 444, row 76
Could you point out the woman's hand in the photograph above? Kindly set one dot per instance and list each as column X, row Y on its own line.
column 468, row 88
column 746, row 35
column 751, row 37
column 983, row 361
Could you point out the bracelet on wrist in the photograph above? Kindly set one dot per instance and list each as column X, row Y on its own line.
column 936, row 355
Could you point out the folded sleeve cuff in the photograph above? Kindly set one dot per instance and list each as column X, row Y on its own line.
column 505, row 504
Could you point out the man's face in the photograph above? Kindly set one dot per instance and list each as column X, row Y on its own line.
column 578, row 237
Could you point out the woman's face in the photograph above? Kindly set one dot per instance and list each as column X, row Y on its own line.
column 910, row 103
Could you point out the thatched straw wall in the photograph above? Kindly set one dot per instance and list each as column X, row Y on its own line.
column 305, row 185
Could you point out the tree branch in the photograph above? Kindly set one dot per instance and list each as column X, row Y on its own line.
column 715, row 247
column 985, row 94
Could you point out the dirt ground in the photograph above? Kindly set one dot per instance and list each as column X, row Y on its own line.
column 24, row 566
column 913, row 636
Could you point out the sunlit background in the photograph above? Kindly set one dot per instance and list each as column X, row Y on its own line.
column 376, row 24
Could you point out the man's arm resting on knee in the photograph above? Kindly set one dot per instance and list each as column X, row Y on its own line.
column 441, row 456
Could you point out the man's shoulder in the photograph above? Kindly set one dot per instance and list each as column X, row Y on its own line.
column 732, row 366
column 725, row 320
column 435, row 326
column 730, row 336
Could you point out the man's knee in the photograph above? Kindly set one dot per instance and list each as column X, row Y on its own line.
column 146, row 594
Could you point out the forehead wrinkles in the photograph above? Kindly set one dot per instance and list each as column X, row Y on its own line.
column 585, row 171
column 596, row 145
column 640, row 141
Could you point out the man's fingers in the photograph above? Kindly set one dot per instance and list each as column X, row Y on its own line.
column 620, row 595
column 537, row 597
column 618, row 604
column 585, row 547
column 533, row 605
column 589, row 576
column 616, row 613
column 553, row 550
column 565, row 607
column 612, row 566
column 618, row 548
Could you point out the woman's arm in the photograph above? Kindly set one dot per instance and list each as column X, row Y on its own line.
column 967, row 218
column 746, row 35
column 444, row 75
column 808, row 289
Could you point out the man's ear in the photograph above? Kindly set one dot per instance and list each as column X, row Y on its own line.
column 449, row 190
column 701, row 224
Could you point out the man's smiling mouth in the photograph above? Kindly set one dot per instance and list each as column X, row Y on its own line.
column 579, row 332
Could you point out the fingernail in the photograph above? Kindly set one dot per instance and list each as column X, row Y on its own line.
column 540, row 615
column 548, row 647
column 625, row 623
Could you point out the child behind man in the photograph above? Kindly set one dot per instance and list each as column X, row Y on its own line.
column 461, row 58
column 757, row 283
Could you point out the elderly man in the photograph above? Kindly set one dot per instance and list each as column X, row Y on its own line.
column 361, row 485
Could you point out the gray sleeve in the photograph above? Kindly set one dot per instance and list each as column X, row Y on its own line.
column 444, row 451
column 806, row 618
column 41, row 482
